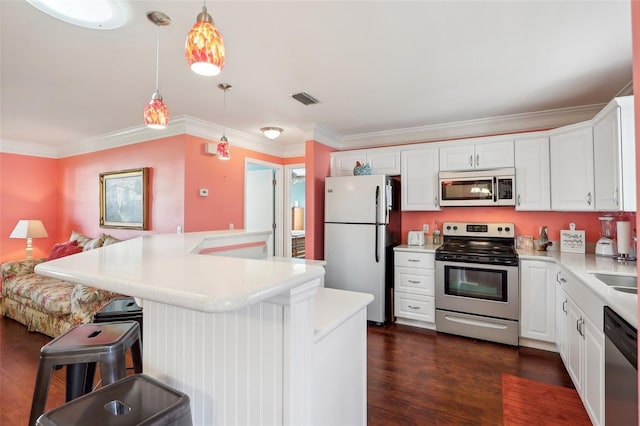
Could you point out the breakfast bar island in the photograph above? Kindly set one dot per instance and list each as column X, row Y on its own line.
column 251, row 339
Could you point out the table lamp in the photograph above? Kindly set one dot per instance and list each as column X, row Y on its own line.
column 29, row 229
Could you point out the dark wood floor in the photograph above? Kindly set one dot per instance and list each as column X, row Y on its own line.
column 416, row 377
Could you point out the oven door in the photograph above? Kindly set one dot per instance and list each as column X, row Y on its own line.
column 481, row 289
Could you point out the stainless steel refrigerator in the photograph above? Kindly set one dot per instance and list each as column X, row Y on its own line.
column 361, row 227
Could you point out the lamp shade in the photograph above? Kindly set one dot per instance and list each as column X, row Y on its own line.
column 156, row 113
column 223, row 152
column 204, row 48
column 29, row 229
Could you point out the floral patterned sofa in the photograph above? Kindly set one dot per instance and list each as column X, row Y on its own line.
column 48, row 305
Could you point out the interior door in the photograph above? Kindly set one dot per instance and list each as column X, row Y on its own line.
column 260, row 206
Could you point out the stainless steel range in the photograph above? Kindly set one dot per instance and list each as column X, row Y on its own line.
column 477, row 282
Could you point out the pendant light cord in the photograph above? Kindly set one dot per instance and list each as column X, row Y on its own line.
column 157, row 54
column 224, row 112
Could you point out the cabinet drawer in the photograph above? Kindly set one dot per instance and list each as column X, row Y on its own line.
column 421, row 308
column 412, row 280
column 415, row 260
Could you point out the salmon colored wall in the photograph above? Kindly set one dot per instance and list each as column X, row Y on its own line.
column 225, row 181
column 28, row 190
column 318, row 165
column 79, row 205
column 527, row 223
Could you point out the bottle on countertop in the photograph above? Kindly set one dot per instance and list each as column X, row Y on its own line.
column 436, row 235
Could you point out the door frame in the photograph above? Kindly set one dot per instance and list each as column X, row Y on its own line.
column 288, row 183
column 278, row 233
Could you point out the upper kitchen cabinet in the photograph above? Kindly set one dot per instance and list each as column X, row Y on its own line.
column 571, row 151
column 614, row 156
column 383, row 161
column 420, row 179
column 533, row 187
column 476, row 156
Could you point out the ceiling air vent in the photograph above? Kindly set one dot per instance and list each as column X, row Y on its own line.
column 304, row 98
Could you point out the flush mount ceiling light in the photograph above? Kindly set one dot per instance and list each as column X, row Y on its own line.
column 204, row 47
column 224, row 152
column 156, row 113
column 95, row 14
column 271, row 132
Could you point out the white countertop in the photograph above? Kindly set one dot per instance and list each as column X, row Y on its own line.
column 427, row 247
column 583, row 265
column 167, row 268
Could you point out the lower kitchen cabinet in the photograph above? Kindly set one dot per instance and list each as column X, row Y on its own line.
column 414, row 287
column 537, row 304
column 582, row 343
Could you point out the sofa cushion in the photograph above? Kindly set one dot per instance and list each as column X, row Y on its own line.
column 85, row 242
column 42, row 293
column 64, row 249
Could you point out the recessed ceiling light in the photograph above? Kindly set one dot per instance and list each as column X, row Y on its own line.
column 94, row 14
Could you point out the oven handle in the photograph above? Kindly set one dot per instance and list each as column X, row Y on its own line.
column 477, row 323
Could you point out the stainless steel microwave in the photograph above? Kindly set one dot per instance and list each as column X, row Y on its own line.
column 478, row 188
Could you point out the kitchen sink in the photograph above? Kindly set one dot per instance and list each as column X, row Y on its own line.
column 622, row 289
column 619, row 281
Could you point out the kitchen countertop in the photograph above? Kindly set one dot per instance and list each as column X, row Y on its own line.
column 169, row 268
column 583, row 265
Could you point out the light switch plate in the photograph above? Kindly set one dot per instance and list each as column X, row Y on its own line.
column 425, row 228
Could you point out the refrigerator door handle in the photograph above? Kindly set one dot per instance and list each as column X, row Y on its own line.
column 375, row 228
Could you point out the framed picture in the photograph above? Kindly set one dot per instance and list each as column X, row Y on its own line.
column 124, row 199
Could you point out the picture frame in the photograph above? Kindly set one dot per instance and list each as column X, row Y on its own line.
column 124, row 199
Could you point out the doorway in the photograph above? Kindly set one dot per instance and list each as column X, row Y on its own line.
column 263, row 202
column 295, row 202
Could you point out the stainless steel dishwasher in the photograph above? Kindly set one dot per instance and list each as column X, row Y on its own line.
column 621, row 370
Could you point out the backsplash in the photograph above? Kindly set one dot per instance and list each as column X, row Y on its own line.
column 527, row 223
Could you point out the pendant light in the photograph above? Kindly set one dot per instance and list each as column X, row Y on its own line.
column 204, row 47
column 156, row 113
column 224, row 152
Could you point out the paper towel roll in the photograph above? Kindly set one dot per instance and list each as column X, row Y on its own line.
column 624, row 237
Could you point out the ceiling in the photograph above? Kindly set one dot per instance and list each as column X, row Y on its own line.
column 378, row 68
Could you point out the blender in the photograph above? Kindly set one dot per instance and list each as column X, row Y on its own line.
column 606, row 244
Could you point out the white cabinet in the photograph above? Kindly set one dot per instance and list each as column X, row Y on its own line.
column 420, row 179
column 614, row 156
column 581, row 340
column 537, row 302
column 533, row 187
column 383, row 161
column 481, row 155
column 572, row 186
column 414, row 293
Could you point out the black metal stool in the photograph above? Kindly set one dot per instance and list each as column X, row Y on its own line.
column 79, row 349
column 134, row 400
column 120, row 310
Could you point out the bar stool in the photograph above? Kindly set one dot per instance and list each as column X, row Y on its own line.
column 120, row 310
column 84, row 345
column 134, row 400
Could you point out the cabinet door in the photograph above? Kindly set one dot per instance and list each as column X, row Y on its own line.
column 458, row 157
column 420, row 179
column 384, row 162
column 572, row 170
column 342, row 163
column 574, row 344
column 593, row 383
column 494, row 155
column 537, row 300
column 533, row 187
column 561, row 320
column 606, row 161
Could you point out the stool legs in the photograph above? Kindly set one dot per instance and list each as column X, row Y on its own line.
column 41, row 391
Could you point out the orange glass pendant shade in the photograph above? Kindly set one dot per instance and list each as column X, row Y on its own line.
column 156, row 113
column 204, row 48
column 223, row 151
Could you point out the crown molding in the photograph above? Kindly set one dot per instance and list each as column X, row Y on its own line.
column 514, row 123
column 27, row 148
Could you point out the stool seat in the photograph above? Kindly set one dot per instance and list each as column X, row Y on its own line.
column 84, row 345
column 120, row 310
column 134, row 400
